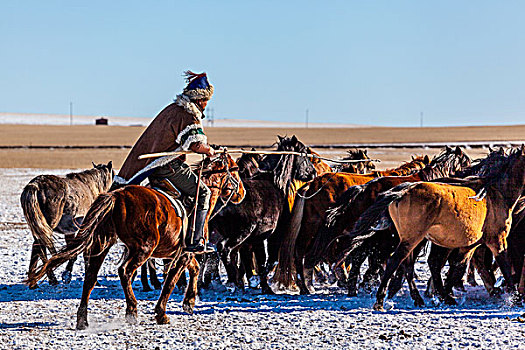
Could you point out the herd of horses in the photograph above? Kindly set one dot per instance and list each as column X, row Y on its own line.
column 297, row 217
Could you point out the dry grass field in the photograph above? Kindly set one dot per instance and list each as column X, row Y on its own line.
column 48, row 135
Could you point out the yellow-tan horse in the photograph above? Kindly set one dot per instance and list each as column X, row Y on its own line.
column 464, row 215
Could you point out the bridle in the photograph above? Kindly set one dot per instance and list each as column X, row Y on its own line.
column 229, row 178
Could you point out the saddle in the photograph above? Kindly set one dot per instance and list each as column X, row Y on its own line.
column 182, row 204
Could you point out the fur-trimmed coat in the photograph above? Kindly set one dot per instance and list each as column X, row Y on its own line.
column 176, row 127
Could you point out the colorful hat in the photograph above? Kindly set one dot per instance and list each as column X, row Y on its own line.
column 198, row 87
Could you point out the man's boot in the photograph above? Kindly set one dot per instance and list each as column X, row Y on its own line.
column 196, row 245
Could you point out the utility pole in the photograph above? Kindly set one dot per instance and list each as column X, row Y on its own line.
column 211, row 121
column 421, row 120
column 70, row 113
column 306, row 121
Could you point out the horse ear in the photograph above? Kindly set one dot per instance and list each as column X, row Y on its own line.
column 94, row 165
column 522, row 149
column 281, row 138
column 448, row 149
column 413, row 157
column 366, row 152
column 110, row 165
column 426, row 159
column 458, row 151
column 294, row 138
column 253, row 149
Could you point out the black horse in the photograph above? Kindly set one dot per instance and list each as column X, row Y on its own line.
column 264, row 210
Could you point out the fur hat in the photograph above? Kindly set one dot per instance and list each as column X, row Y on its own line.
column 198, row 87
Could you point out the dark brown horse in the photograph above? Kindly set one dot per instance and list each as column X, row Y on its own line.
column 309, row 214
column 57, row 204
column 453, row 216
column 148, row 225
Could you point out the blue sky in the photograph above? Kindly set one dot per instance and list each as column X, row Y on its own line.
column 363, row 62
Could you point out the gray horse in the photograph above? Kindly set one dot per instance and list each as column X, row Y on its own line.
column 57, row 204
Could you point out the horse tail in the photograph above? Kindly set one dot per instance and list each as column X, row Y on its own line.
column 335, row 223
column 93, row 229
column 42, row 232
column 375, row 218
column 342, row 205
column 285, row 271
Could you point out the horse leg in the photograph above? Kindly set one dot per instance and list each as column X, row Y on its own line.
column 143, row 277
column 397, row 280
column 68, row 272
column 169, row 283
column 261, row 259
column 502, row 259
column 400, row 254
column 191, row 290
column 458, row 268
column 94, row 262
column 482, row 262
column 406, row 269
column 40, row 251
column 301, row 280
column 414, row 292
column 153, row 274
column 135, row 259
column 357, row 260
column 436, row 260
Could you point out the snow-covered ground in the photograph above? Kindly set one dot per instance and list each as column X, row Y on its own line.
column 45, row 318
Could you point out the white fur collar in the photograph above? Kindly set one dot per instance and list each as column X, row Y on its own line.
column 188, row 105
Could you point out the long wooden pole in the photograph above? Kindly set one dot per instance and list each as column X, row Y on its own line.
column 241, row 151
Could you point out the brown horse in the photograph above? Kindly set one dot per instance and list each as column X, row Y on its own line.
column 148, row 225
column 57, row 204
column 309, row 213
column 462, row 216
column 358, row 198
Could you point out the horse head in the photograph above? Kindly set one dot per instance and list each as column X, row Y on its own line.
column 449, row 162
column 104, row 174
column 249, row 164
column 222, row 172
column 366, row 166
column 301, row 166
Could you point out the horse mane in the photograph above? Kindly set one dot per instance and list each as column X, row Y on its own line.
column 248, row 164
column 447, row 163
column 356, row 154
column 283, row 170
column 485, row 166
column 101, row 175
column 406, row 168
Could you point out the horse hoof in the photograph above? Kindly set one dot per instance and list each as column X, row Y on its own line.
column 146, row 289
column 496, row 292
column 268, row 291
column 66, row 277
column 379, row 307
column 418, row 302
column 187, row 308
column 157, row 286
column 131, row 319
column 82, row 324
column 352, row 293
column 162, row 319
column 450, row 301
column 53, row 281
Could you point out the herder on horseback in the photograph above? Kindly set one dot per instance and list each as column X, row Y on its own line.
column 177, row 127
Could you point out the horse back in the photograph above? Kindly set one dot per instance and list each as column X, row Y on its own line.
column 448, row 215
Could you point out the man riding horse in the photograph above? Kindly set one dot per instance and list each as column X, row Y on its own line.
column 177, row 127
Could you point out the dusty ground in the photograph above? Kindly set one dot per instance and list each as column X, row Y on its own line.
column 47, row 135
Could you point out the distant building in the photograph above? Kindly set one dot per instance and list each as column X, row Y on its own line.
column 101, row 121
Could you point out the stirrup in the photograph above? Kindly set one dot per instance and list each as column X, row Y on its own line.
column 199, row 248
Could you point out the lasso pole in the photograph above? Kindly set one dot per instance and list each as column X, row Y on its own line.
column 242, row 151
